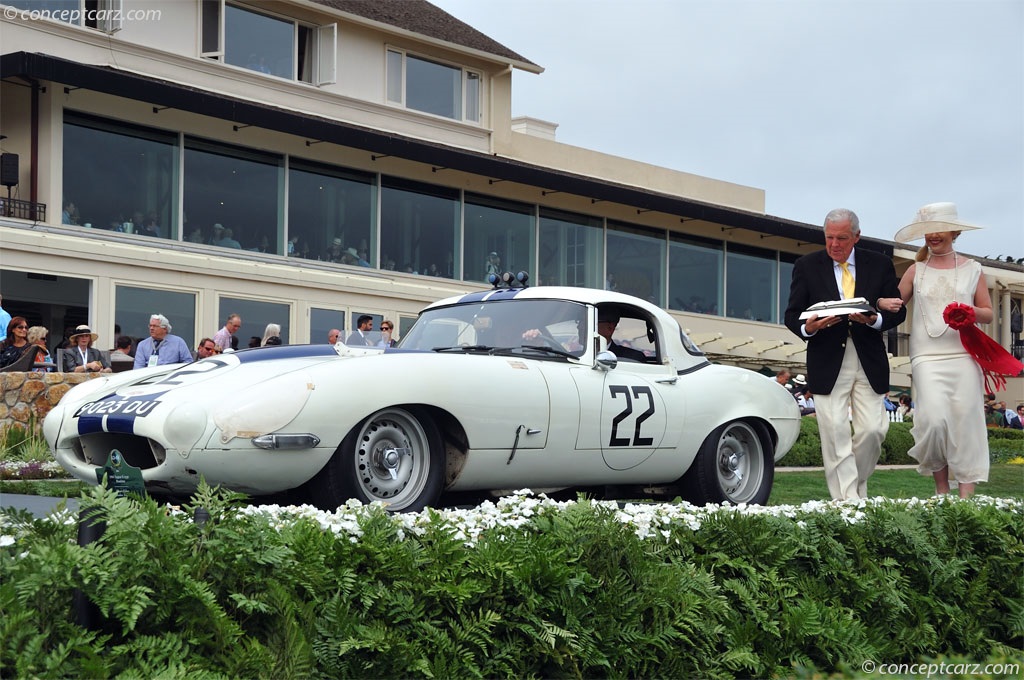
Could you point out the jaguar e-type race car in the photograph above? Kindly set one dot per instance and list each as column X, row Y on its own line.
column 547, row 388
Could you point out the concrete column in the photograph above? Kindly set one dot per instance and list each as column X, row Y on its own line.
column 1004, row 318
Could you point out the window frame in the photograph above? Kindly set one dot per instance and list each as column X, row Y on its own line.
column 466, row 74
column 324, row 52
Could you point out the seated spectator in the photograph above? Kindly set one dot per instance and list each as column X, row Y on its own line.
column 37, row 336
column 205, row 349
column 905, row 407
column 272, row 341
column 122, row 351
column 16, row 342
column 255, row 341
column 272, row 330
column 805, row 401
column 82, row 357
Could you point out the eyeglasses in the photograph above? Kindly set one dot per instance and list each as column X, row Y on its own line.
column 22, row 326
column 385, row 328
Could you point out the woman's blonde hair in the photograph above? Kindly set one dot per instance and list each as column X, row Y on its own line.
column 36, row 333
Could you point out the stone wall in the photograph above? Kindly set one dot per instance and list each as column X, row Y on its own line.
column 28, row 397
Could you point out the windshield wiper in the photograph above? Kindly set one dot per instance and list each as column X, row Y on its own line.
column 463, row 348
column 539, row 348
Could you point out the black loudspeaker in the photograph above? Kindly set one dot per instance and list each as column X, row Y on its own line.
column 9, row 169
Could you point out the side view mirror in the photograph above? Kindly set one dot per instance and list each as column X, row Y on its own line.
column 606, row 361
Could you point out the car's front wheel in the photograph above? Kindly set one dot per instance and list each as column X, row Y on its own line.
column 735, row 464
column 395, row 456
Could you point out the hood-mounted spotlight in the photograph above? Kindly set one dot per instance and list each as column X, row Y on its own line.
column 509, row 280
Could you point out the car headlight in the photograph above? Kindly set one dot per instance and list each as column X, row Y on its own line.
column 263, row 408
column 184, row 426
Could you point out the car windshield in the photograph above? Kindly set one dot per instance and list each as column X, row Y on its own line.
column 558, row 326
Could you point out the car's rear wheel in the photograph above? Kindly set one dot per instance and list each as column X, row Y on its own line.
column 735, row 464
column 395, row 456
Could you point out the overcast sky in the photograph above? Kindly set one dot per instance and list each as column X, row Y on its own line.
column 880, row 106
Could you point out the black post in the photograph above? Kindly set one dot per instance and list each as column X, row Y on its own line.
column 90, row 528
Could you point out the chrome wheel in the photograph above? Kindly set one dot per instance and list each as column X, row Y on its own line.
column 740, row 463
column 393, row 458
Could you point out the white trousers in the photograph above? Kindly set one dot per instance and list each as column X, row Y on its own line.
column 850, row 457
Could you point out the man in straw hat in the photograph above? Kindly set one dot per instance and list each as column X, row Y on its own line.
column 847, row 365
column 950, row 295
column 81, row 357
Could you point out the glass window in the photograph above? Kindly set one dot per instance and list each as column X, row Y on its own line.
column 636, row 262
column 786, row 262
column 752, row 284
column 432, row 87
column 571, row 250
column 321, row 321
column 134, row 189
column 499, row 237
column 255, row 314
column 259, row 42
column 395, row 85
column 134, row 306
column 418, row 228
column 331, row 213
column 233, row 196
column 472, row 97
column 695, row 275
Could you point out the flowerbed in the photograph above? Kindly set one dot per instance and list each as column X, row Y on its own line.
column 526, row 587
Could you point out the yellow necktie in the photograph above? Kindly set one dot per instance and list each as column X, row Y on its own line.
column 848, row 283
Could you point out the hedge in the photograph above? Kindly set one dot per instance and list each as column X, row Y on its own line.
column 526, row 588
column 1004, row 444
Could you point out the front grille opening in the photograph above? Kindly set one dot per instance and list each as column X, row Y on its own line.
column 137, row 451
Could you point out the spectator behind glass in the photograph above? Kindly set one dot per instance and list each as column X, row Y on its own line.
column 273, row 330
column 122, row 350
column 16, row 341
column 37, row 336
column 82, row 357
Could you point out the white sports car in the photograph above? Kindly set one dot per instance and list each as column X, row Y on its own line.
column 492, row 391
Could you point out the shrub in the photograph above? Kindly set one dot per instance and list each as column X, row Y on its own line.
column 1004, row 444
column 524, row 588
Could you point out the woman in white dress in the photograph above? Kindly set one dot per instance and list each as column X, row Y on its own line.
column 949, row 418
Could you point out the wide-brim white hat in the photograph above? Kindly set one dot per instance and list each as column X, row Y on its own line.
column 932, row 219
column 84, row 330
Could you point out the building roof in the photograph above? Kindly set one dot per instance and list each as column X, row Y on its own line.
column 419, row 16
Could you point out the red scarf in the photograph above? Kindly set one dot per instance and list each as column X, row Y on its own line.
column 996, row 363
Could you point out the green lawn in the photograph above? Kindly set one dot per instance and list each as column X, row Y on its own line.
column 793, row 488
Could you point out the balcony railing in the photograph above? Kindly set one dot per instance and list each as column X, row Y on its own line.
column 22, row 210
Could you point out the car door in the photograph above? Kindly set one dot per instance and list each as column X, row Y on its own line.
column 623, row 412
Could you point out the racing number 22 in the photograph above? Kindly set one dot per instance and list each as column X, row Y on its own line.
column 624, row 390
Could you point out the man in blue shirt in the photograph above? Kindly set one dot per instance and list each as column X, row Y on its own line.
column 161, row 347
column 5, row 320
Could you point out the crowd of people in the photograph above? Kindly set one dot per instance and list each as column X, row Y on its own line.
column 79, row 355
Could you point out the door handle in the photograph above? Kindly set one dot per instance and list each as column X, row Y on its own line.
column 667, row 381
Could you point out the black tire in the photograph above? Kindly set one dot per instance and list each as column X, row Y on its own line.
column 395, row 456
column 735, row 464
